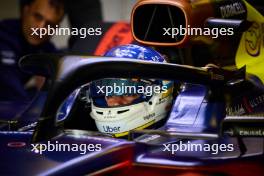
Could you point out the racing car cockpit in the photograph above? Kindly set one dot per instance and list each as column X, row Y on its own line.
column 213, row 125
column 201, row 129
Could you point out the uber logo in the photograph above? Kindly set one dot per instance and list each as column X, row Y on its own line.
column 109, row 129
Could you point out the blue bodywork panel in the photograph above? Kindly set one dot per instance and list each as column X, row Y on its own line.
column 16, row 150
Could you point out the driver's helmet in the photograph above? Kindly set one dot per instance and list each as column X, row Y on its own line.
column 120, row 105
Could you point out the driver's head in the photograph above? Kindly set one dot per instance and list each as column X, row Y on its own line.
column 120, row 105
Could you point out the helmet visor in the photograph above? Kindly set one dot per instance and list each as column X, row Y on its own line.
column 119, row 92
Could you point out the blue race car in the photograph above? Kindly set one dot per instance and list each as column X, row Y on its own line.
column 199, row 137
column 215, row 126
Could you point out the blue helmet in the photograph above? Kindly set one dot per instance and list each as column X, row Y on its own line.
column 127, row 51
column 135, row 52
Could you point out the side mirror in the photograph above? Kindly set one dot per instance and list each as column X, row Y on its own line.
column 154, row 22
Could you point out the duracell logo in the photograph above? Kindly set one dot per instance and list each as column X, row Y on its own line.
column 230, row 10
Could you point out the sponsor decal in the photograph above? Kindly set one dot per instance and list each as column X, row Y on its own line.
column 253, row 39
column 231, row 10
column 236, row 109
column 109, row 115
column 245, row 105
column 111, row 129
column 161, row 100
column 150, row 138
column 251, row 132
column 149, row 116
